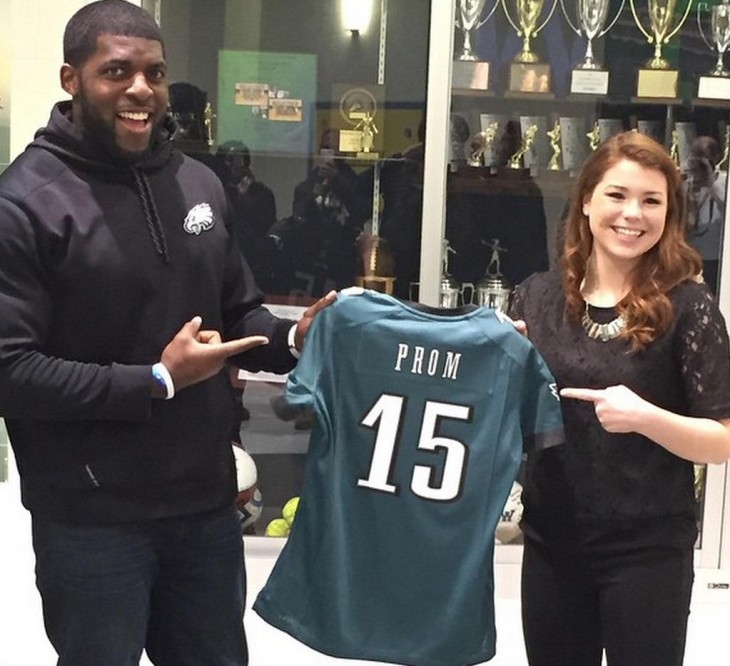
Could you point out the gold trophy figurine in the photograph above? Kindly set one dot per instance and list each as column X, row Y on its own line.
column 594, row 137
column 674, row 147
column 515, row 162
column 554, row 134
column 367, row 130
column 481, row 143
column 208, row 116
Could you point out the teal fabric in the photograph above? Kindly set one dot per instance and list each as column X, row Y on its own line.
column 422, row 421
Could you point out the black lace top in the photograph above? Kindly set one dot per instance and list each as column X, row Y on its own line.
column 601, row 486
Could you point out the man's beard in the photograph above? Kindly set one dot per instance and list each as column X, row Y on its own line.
column 104, row 132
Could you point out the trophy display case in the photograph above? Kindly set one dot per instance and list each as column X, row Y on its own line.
column 564, row 76
column 457, row 130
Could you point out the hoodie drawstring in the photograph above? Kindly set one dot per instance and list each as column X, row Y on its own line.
column 151, row 216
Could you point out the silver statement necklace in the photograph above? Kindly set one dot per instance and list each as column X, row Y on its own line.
column 602, row 332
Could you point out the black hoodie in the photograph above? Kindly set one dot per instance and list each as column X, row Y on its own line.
column 101, row 263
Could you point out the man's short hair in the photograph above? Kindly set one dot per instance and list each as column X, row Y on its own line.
column 110, row 17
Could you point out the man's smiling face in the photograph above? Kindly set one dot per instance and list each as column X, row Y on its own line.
column 120, row 94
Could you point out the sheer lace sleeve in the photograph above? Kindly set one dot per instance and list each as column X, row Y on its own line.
column 702, row 352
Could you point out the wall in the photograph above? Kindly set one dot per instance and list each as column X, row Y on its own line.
column 36, row 34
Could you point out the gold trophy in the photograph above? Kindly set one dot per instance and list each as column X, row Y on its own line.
column 589, row 77
column 594, row 137
column 527, row 74
column 378, row 269
column 554, row 134
column 515, row 162
column 208, row 116
column 469, row 71
column 716, row 84
column 658, row 79
column 481, row 143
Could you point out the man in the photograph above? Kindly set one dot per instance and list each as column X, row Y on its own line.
column 119, row 283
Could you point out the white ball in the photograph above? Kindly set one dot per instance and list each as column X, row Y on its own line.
column 508, row 528
column 250, row 512
column 246, row 473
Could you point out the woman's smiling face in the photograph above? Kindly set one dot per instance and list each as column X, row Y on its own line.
column 627, row 211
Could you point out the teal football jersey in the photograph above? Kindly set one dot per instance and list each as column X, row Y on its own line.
column 423, row 416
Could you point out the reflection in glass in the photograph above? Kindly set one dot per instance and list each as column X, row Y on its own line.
column 706, row 188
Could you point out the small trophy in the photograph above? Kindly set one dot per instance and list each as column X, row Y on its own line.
column 493, row 290
column 481, row 144
column 495, row 153
column 528, row 138
column 468, row 70
column 378, row 269
column 368, row 130
column 716, row 84
column 686, row 134
column 589, row 77
column 208, row 116
column 657, row 79
column 594, row 137
column 537, row 155
column 527, row 74
column 554, row 136
column 359, row 109
column 449, row 288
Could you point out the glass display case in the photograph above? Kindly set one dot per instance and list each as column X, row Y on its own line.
column 535, row 87
column 315, row 119
column 312, row 114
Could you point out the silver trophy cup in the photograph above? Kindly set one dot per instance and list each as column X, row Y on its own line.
column 591, row 20
column 468, row 20
column 720, row 28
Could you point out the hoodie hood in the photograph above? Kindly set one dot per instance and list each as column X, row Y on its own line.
column 73, row 144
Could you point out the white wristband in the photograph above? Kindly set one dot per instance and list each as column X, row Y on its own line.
column 163, row 376
column 292, row 344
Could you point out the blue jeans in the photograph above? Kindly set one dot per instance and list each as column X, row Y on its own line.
column 175, row 587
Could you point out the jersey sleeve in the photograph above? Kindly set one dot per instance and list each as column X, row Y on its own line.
column 540, row 413
column 301, row 385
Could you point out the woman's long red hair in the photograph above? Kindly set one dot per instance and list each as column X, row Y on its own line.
column 646, row 308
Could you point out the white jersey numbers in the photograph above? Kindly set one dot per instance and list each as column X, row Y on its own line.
column 386, row 417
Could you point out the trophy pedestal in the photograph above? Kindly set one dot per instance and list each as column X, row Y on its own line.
column 589, row 82
column 472, row 75
column 714, row 87
column 375, row 282
column 529, row 77
column 662, row 83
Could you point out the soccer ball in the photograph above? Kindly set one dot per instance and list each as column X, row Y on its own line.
column 248, row 500
column 508, row 528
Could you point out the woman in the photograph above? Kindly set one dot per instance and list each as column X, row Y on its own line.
column 640, row 352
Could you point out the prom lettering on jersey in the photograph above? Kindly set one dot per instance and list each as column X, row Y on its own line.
column 419, row 361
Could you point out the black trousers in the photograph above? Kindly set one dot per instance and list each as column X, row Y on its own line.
column 632, row 604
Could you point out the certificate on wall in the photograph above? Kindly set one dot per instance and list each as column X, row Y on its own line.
column 267, row 100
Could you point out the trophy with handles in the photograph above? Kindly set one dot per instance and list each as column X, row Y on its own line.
column 588, row 19
column 469, row 71
column 715, row 84
column 527, row 73
column 657, row 79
